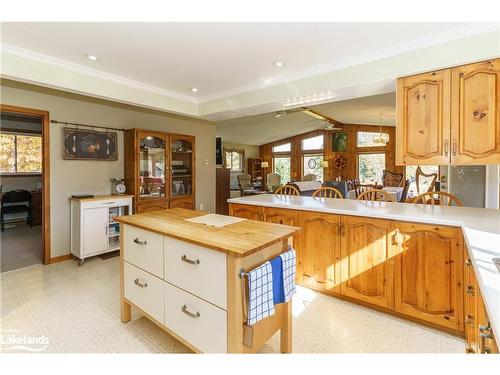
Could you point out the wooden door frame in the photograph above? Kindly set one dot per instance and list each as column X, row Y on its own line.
column 45, row 118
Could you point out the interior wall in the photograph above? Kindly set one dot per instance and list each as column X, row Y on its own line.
column 250, row 152
column 69, row 177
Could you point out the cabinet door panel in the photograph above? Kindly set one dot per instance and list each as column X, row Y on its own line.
column 429, row 274
column 423, row 111
column 182, row 203
column 319, row 255
column 246, row 211
column 95, row 233
column 470, row 301
column 141, row 208
column 476, row 113
column 367, row 260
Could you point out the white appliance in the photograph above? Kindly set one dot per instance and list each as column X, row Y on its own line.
column 474, row 185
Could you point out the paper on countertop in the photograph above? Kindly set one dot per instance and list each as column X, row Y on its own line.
column 215, row 220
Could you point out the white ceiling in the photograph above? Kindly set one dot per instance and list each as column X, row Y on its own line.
column 217, row 58
column 265, row 128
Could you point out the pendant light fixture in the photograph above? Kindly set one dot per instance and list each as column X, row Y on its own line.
column 379, row 139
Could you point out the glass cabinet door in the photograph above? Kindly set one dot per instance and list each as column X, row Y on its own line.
column 182, row 166
column 152, row 163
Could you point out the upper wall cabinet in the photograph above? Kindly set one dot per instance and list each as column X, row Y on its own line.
column 450, row 116
column 424, row 113
column 475, row 114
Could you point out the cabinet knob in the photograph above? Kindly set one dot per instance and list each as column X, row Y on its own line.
column 139, row 284
column 189, row 313
column 470, row 290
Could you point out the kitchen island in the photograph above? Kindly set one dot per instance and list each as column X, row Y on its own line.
column 431, row 264
column 185, row 277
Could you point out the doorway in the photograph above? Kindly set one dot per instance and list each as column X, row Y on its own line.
column 24, row 187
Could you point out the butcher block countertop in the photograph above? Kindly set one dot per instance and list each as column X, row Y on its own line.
column 241, row 239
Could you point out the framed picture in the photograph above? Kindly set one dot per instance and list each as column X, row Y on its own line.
column 339, row 141
column 81, row 144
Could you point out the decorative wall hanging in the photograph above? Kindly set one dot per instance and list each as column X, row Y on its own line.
column 339, row 162
column 339, row 141
column 81, row 144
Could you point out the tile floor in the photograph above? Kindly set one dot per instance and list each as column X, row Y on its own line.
column 77, row 308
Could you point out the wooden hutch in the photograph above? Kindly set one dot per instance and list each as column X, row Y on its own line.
column 159, row 170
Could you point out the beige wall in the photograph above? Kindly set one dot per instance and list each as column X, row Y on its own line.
column 71, row 176
column 250, row 152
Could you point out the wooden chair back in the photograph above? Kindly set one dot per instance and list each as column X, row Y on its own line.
column 392, row 179
column 404, row 193
column 287, row 191
column 440, row 198
column 375, row 195
column 418, row 177
column 360, row 188
column 327, row 192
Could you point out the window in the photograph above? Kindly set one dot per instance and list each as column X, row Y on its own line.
column 283, row 148
column 314, row 143
column 424, row 182
column 281, row 166
column 371, row 167
column 366, row 139
column 234, row 160
column 313, row 164
column 20, row 153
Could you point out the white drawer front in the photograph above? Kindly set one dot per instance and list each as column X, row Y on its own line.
column 111, row 202
column 144, row 249
column 196, row 321
column 144, row 290
column 198, row 270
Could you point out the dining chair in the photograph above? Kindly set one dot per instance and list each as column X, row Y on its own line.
column 361, row 188
column 327, row 192
column 440, row 198
column 351, row 184
column 309, row 177
column 18, row 201
column 419, row 173
column 287, row 191
column 375, row 195
column 272, row 180
column 392, row 179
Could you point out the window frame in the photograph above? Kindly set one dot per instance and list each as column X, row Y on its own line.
column 372, row 146
column 284, row 155
column 22, row 132
column 358, row 154
column 242, row 159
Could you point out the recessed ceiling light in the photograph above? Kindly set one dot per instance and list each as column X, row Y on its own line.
column 278, row 64
column 91, row 57
column 194, row 89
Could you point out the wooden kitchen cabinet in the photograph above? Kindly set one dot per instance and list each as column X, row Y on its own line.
column 281, row 216
column 478, row 335
column 450, row 116
column 475, row 113
column 246, row 212
column 367, row 270
column 319, row 251
column 186, row 203
column 429, row 274
column 423, row 119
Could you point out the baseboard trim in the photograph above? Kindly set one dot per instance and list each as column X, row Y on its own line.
column 60, row 258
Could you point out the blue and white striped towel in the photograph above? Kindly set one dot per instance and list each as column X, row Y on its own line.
column 289, row 262
column 260, row 293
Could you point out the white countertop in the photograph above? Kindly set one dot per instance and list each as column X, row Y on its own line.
column 480, row 226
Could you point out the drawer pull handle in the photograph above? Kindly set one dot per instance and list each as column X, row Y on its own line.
column 140, row 242
column 142, row 285
column 184, row 258
column 187, row 312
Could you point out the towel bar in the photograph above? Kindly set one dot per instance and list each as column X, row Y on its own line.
column 242, row 273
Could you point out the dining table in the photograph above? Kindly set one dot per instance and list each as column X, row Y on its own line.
column 395, row 191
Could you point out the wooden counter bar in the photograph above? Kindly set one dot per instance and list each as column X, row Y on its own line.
column 430, row 264
column 184, row 276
